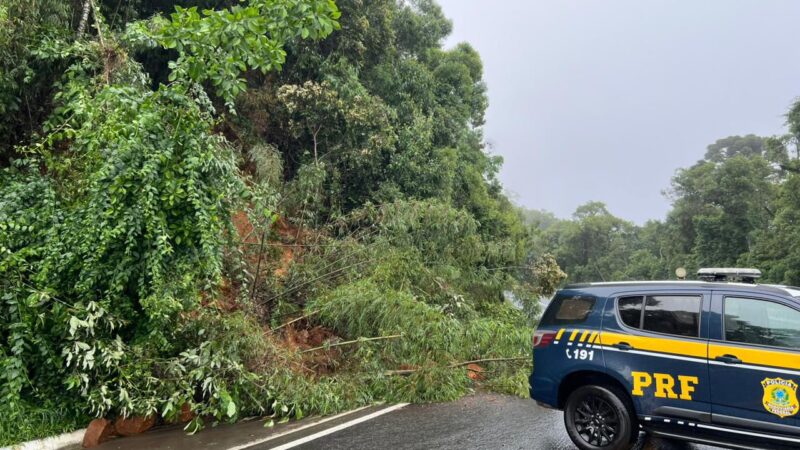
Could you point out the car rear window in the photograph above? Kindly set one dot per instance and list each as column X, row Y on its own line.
column 668, row 314
column 568, row 310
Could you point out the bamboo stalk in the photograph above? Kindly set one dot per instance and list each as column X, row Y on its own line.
column 258, row 265
column 519, row 358
column 354, row 341
column 295, row 320
column 459, row 364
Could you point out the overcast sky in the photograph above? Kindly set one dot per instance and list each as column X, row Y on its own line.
column 604, row 100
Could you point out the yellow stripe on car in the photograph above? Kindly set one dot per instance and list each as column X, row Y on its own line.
column 574, row 335
column 761, row 357
column 560, row 333
column 656, row 344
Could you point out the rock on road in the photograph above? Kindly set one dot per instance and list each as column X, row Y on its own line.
column 480, row 421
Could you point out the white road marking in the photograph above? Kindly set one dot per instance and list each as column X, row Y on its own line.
column 730, row 430
column 295, row 430
column 340, row 427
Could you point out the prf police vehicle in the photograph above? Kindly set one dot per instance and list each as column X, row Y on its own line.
column 709, row 361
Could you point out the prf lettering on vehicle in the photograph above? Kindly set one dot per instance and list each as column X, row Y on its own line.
column 663, row 385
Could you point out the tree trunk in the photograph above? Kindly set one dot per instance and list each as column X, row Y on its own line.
column 314, row 135
column 84, row 18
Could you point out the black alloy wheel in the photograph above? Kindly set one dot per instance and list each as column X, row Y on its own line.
column 596, row 421
column 596, row 418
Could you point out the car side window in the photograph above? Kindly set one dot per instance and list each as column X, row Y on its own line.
column 761, row 322
column 668, row 314
column 673, row 314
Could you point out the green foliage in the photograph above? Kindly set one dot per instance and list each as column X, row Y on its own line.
column 115, row 226
column 726, row 148
column 47, row 419
column 26, row 28
column 720, row 204
column 390, row 114
column 147, row 241
column 775, row 247
column 95, row 280
column 219, row 45
column 514, row 383
column 595, row 245
column 431, row 340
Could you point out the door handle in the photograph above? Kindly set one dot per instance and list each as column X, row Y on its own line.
column 623, row 346
column 728, row 359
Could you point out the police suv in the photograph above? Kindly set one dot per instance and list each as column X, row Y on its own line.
column 711, row 361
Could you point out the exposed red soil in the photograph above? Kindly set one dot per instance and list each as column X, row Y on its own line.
column 475, row 372
column 299, row 337
column 244, row 228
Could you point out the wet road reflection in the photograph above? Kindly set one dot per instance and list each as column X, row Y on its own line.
column 483, row 421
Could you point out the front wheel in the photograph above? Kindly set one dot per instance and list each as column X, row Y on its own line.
column 597, row 419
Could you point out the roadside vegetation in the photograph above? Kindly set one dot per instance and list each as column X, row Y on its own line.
column 268, row 207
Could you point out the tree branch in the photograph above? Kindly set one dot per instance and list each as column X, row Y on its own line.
column 314, row 135
column 97, row 24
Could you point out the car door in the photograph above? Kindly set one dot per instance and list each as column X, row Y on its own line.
column 655, row 344
column 754, row 362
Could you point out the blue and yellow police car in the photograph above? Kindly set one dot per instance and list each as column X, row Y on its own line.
column 713, row 361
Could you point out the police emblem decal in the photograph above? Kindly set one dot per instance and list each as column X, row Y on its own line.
column 780, row 397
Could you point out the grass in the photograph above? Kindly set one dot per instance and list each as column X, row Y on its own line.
column 34, row 422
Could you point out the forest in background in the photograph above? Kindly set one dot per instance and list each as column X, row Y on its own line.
column 215, row 209
column 739, row 206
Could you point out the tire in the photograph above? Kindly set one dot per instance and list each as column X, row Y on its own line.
column 598, row 418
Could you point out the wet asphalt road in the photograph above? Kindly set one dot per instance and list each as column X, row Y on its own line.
column 480, row 421
column 484, row 421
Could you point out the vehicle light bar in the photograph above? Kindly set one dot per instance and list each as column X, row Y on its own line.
column 729, row 274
